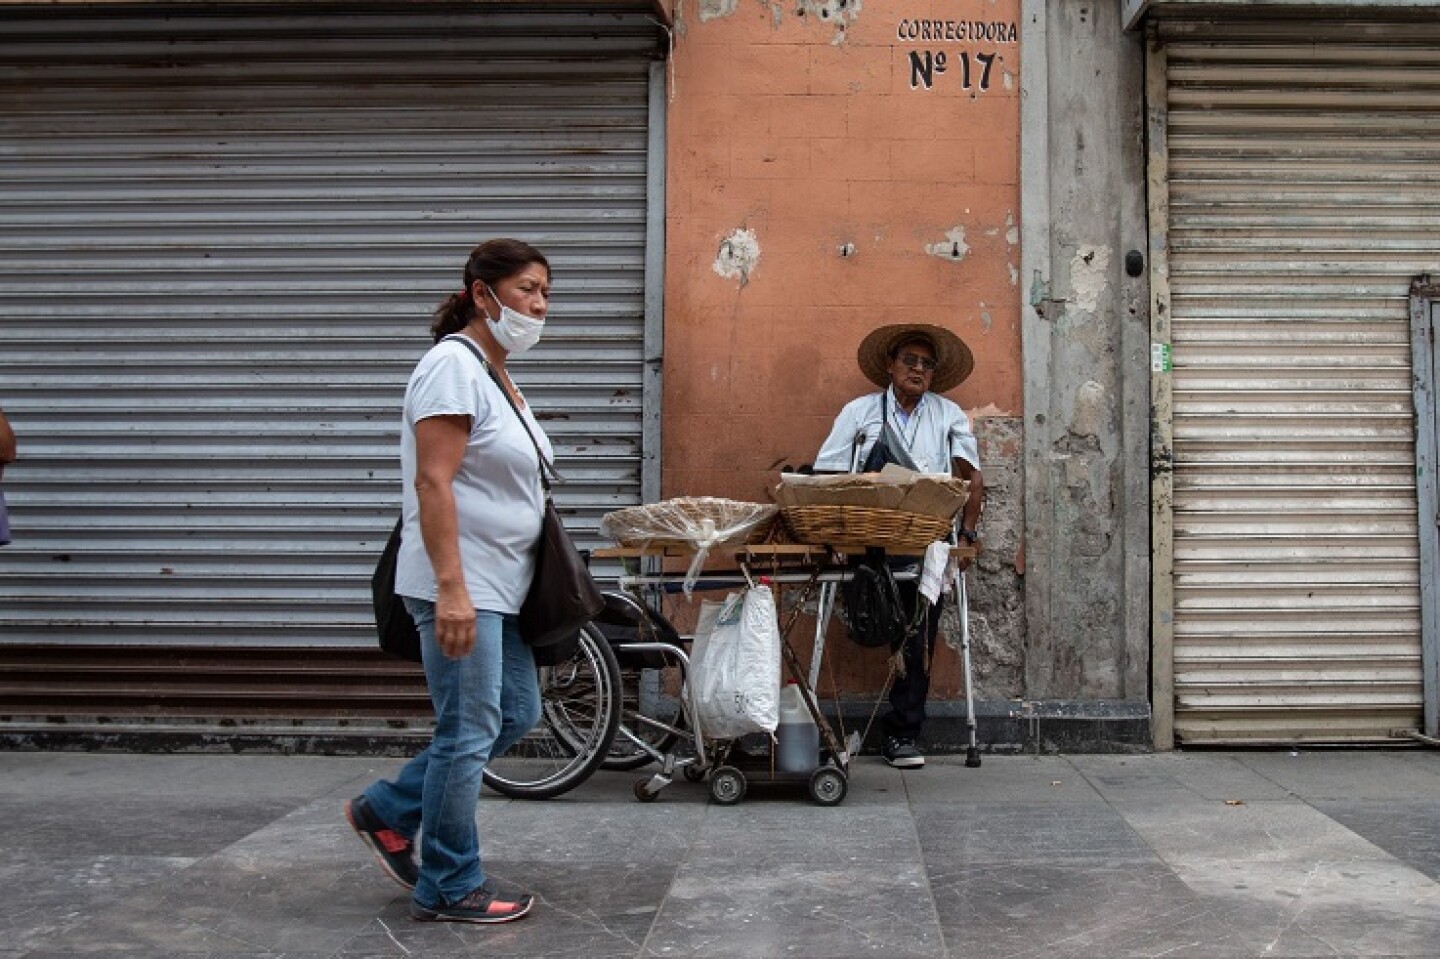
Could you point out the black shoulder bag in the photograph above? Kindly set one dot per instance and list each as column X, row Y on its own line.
column 872, row 611
column 398, row 635
column 888, row 447
column 563, row 595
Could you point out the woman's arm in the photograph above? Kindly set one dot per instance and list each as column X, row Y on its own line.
column 439, row 449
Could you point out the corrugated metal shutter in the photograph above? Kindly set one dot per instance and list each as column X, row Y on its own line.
column 222, row 232
column 1304, row 181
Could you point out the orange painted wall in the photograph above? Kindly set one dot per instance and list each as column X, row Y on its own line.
column 815, row 131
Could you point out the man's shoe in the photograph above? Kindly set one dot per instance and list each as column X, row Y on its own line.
column 902, row 754
column 395, row 852
column 484, row 904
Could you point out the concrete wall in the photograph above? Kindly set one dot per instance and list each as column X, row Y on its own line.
column 1086, row 355
column 829, row 171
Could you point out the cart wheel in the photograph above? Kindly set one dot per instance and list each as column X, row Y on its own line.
column 643, row 792
column 727, row 785
column 828, row 786
column 693, row 773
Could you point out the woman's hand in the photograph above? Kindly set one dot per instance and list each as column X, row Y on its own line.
column 454, row 622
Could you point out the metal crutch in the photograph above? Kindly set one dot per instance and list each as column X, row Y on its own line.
column 962, row 600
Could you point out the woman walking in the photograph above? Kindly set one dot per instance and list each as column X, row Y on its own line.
column 471, row 521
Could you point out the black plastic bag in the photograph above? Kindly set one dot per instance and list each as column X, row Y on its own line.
column 873, row 613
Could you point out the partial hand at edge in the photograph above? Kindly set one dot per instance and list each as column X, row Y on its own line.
column 454, row 622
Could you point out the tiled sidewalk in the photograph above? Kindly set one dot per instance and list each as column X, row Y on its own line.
column 1197, row 854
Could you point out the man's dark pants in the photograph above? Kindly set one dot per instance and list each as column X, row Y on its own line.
column 909, row 692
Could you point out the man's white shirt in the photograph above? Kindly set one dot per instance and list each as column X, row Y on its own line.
column 934, row 433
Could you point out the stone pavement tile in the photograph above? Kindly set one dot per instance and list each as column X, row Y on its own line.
column 522, row 830
column 1175, row 776
column 197, row 779
column 1351, row 908
column 1409, row 830
column 48, row 894
column 302, row 883
column 1043, row 911
column 91, row 823
column 1044, row 833
column 1355, row 774
column 250, row 901
column 1222, row 776
column 796, row 910
column 179, row 954
column 1258, row 832
column 758, row 834
column 587, row 909
column 1122, row 778
column 872, row 783
column 999, row 779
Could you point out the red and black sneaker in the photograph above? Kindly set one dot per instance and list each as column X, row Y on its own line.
column 483, row 904
column 395, row 852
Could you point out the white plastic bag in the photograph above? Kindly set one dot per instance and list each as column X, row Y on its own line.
column 735, row 665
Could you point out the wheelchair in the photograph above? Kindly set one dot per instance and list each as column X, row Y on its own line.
column 613, row 704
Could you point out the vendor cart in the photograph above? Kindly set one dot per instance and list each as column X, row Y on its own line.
column 806, row 572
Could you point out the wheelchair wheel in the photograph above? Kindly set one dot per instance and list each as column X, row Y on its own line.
column 579, row 713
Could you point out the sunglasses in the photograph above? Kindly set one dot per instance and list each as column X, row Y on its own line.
column 916, row 362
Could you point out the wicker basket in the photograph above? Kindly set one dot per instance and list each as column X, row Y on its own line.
column 856, row 527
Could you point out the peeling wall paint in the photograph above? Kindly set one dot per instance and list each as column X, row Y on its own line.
column 837, row 13
column 1089, row 277
column 953, row 247
column 716, row 9
column 842, row 13
column 739, row 255
column 1090, row 405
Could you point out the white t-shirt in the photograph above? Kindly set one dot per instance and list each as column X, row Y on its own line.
column 498, row 496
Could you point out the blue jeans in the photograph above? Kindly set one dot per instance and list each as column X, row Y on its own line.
column 483, row 704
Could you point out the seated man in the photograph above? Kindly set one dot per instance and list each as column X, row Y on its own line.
column 912, row 363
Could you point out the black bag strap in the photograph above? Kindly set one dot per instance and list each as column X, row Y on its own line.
column 545, row 464
column 899, row 449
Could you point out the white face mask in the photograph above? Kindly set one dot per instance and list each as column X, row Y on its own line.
column 514, row 331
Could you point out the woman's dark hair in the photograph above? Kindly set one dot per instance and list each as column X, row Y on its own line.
column 490, row 262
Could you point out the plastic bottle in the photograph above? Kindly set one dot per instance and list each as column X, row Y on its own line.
column 797, row 738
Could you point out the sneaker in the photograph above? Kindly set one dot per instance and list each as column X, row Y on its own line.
column 484, row 904
column 395, row 852
column 902, row 754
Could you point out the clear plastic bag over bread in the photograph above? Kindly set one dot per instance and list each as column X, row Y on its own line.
column 698, row 521
column 690, row 522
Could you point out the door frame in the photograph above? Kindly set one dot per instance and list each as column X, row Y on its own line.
column 1424, row 317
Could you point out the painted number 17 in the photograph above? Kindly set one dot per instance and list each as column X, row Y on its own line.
column 924, row 65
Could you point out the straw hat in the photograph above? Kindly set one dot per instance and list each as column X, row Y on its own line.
column 953, row 359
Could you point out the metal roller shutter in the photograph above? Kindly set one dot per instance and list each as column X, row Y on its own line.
column 222, row 231
column 1304, row 194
